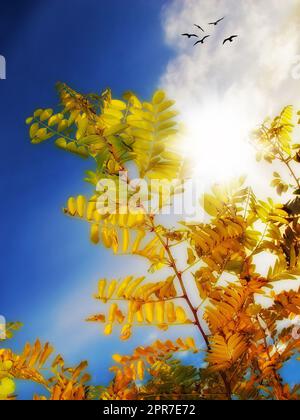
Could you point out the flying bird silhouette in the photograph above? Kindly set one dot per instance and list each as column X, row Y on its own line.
column 230, row 39
column 217, row 21
column 201, row 41
column 199, row 27
column 190, row 35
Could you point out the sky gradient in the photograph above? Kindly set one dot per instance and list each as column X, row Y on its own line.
column 49, row 269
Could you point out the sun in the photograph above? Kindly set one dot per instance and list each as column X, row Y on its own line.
column 217, row 140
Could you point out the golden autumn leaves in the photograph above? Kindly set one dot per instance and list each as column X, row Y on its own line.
column 147, row 304
column 274, row 142
column 243, row 347
column 60, row 382
column 111, row 229
column 136, row 364
column 225, row 351
column 114, row 131
column 7, row 385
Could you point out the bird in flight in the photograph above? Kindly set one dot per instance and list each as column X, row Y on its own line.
column 190, row 35
column 230, row 39
column 199, row 27
column 217, row 21
column 201, row 41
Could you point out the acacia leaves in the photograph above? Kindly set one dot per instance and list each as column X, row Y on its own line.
column 275, row 143
column 146, row 304
column 59, row 381
column 167, row 375
column 8, row 330
column 274, row 136
column 225, row 351
column 211, row 279
column 113, row 131
column 153, row 126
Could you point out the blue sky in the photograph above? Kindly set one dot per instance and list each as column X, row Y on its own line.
column 49, row 269
column 46, row 258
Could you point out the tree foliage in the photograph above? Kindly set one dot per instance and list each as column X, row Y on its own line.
column 37, row 364
column 239, row 339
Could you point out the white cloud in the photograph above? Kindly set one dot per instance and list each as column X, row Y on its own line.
column 223, row 92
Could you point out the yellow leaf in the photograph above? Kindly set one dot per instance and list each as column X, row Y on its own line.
column 111, row 288
column 191, row 257
column 46, row 114
column 47, row 351
column 115, row 103
column 191, row 343
column 225, row 352
column 114, row 129
column 211, row 205
column 101, row 288
column 140, row 236
column 7, row 387
column 149, row 312
column 96, row 318
column 160, row 312
column 91, row 207
column 171, row 315
column 37, row 113
column 140, row 369
column 112, row 312
column 125, row 239
column 180, row 315
column 81, row 205
column 128, row 293
column 71, row 206
column 33, row 130
column 123, row 286
column 117, row 358
column 158, row 97
column 108, row 329
column 94, row 234
column 126, row 332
